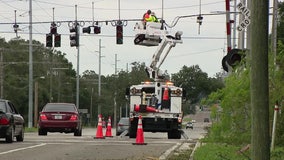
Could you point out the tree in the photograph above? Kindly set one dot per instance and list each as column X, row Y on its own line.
column 196, row 83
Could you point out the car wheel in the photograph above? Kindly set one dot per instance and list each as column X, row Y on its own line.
column 78, row 132
column 20, row 137
column 42, row 132
column 10, row 135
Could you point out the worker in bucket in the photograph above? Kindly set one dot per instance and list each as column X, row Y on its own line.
column 147, row 16
column 153, row 17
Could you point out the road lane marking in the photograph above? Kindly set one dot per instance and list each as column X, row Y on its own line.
column 24, row 148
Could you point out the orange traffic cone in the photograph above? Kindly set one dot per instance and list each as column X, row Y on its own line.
column 99, row 134
column 166, row 102
column 144, row 108
column 108, row 130
column 140, row 134
column 166, row 94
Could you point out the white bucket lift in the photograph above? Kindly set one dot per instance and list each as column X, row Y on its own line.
column 149, row 35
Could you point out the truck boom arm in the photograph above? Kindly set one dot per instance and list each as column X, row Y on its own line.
column 167, row 40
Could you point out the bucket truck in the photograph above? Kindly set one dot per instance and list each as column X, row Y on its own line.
column 159, row 102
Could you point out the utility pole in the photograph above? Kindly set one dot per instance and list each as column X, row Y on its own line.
column 99, row 87
column 274, row 30
column 115, row 93
column 274, row 51
column 30, row 113
column 78, row 59
column 1, row 73
column 260, row 140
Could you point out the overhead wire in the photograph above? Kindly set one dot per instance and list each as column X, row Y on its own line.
column 59, row 5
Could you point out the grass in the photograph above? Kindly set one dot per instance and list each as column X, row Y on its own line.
column 33, row 129
column 215, row 151
column 182, row 154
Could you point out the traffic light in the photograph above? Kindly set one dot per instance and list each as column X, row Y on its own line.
column 119, row 34
column 57, row 40
column 199, row 19
column 232, row 59
column 87, row 30
column 53, row 29
column 97, row 29
column 49, row 40
column 74, row 38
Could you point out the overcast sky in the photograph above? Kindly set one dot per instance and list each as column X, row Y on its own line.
column 204, row 46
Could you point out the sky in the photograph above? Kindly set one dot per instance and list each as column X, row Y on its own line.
column 204, row 45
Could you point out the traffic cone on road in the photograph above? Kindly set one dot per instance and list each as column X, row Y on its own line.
column 99, row 134
column 140, row 133
column 108, row 130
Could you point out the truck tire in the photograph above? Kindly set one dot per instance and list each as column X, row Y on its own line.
column 174, row 134
column 132, row 130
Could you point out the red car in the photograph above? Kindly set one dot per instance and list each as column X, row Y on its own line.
column 60, row 117
column 12, row 124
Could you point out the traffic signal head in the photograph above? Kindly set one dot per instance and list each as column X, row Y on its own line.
column 57, row 40
column 87, row 30
column 73, row 29
column 74, row 40
column 53, row 30
column 232, row 59
column 48, row 40
column 119, row 34
column 97, row 29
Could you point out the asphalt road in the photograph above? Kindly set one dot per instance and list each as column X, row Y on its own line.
column 57, row 146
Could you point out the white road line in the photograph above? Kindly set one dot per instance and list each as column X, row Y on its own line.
column 24, row 148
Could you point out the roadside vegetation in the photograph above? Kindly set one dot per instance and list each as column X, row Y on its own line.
column 230, row 134
column 56, row 79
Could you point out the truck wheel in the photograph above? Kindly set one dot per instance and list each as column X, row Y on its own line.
column 132, row 130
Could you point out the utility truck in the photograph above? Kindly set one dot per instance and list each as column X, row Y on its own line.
column 159, row 102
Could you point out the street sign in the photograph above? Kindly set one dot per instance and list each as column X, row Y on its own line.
column 246, row 12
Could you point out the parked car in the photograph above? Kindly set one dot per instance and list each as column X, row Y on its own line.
column 12, row 124
column 122, row 125
column 189, row 125
column 60, row 117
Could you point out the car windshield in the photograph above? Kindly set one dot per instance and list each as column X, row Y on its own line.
column 60, row 107
column 2, row 106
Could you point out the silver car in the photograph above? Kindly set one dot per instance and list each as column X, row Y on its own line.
column 122, row 125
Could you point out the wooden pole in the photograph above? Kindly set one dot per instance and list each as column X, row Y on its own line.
column 259, row 80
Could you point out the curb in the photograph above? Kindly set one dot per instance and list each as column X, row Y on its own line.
column 169, row 151
column 198, row 144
